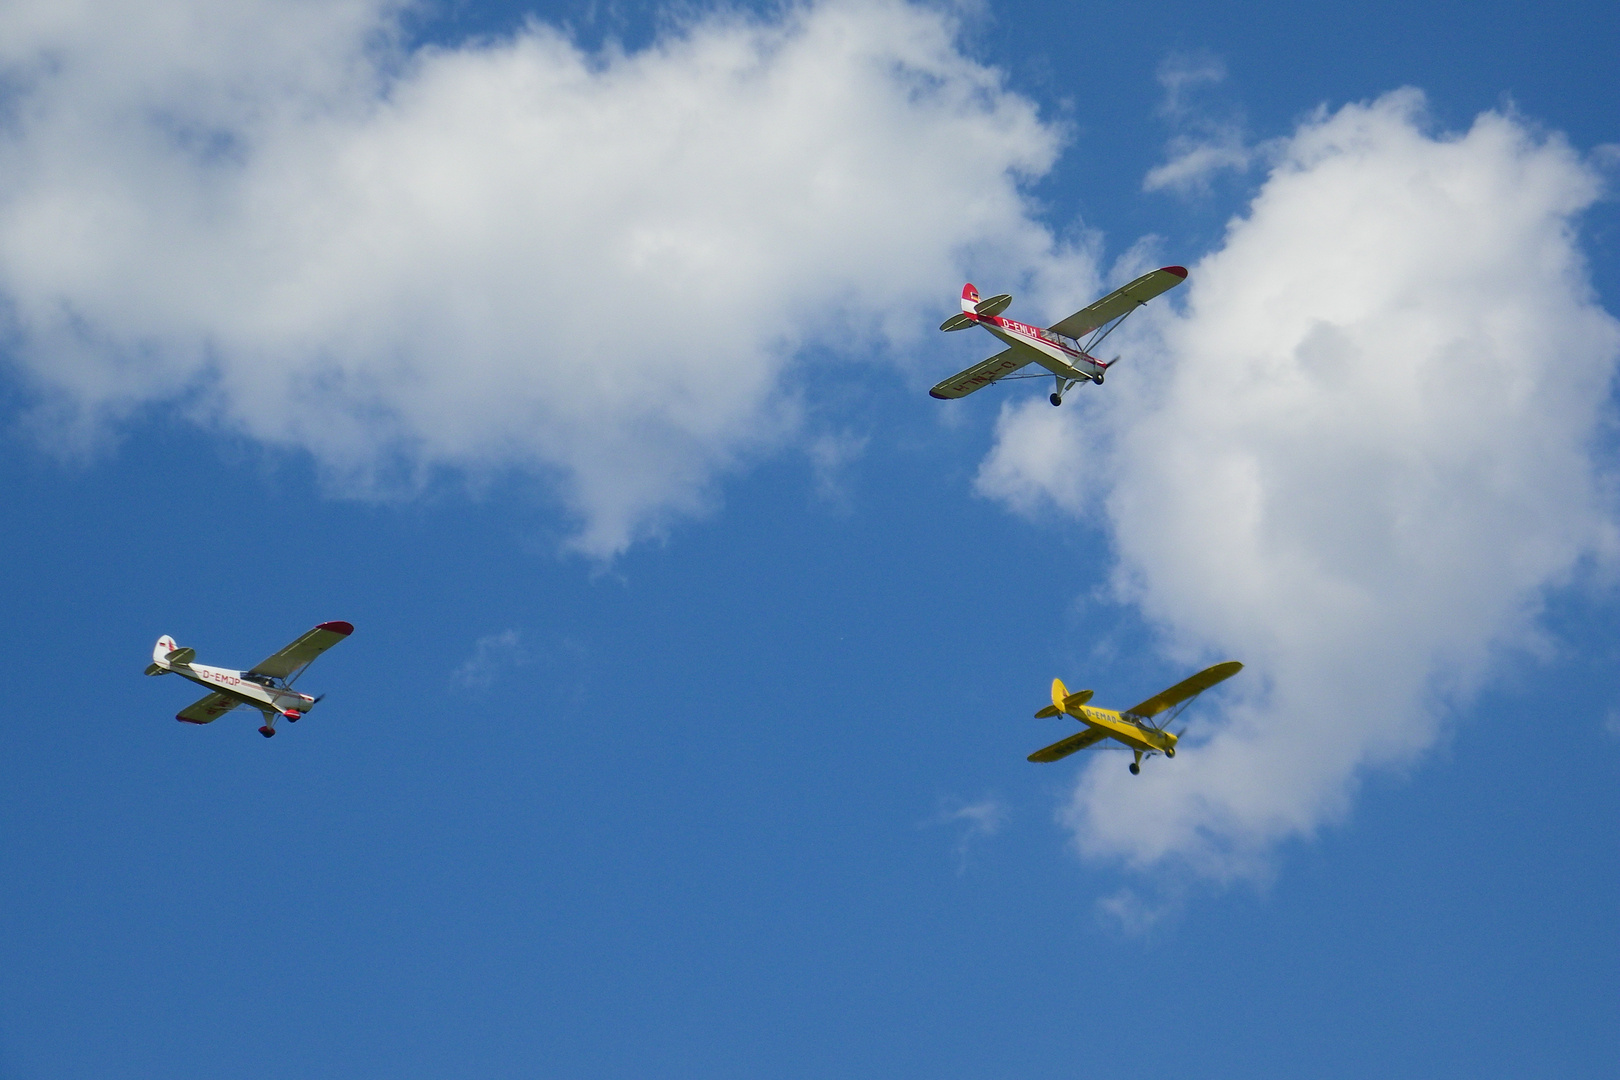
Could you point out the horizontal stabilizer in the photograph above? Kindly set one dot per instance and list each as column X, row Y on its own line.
column 155, row 668
column 1069, row 746
column 181, row 656
column 995, row 305
column 960, row 321
column 1070, row 701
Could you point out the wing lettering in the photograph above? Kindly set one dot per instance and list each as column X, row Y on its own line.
column 207, row 710
column 1070, row 745
column 982, row 374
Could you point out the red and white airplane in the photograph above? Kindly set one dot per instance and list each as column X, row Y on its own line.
column 1058, row 347
column 267, row 686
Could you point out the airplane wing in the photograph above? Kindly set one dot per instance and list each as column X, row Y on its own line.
column 983, row 373
column 1120, row 302
column 1186, row 690
column 1070, row 745
column 298, row 655
column 207, row 710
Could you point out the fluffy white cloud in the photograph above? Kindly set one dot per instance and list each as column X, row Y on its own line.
column 1356, row 462
column 508, row 254
column 1204, row 142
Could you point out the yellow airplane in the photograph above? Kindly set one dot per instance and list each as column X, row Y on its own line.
column 1135, row 727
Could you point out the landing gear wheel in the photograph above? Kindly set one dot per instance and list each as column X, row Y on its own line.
column 1055, row 400
column 1097, row 379
column 1135, row 768
column 267, row 731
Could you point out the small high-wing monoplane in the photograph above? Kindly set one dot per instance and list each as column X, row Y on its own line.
column 267, row 686
column 1058, row 348
column 1137, row 727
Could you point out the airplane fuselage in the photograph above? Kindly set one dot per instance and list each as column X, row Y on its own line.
column 1134, row 735
column 253, row 690
column 1042, row 347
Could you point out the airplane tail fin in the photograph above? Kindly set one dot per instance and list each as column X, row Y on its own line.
column 970, row 296
column 165, row 654
column 1059, row 692
column 1063, row 701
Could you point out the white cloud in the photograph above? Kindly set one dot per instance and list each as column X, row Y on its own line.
column 977, row 820
column 831, row 454
column 505, row 255
column 491, row 655
column 1355, row 462
column 1204, row 142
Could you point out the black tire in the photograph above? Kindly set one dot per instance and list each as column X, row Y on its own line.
column 1099, row 380
column 1055, row 400
column 1135, row 768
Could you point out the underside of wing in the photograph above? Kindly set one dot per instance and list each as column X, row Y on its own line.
column 207, row 710
column 1120, row 302
column 1186, row 689
column 983, row 373
column 1070, row 745
column 299, row 654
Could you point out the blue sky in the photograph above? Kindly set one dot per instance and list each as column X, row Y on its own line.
column 683, row 727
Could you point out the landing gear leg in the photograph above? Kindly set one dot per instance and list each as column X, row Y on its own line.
column 1136, row 766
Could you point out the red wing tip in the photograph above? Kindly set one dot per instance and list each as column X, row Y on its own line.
column 1179, row 271
column 337, row 627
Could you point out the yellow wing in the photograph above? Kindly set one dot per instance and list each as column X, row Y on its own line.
column 1185, row 690
column 1070, row 745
